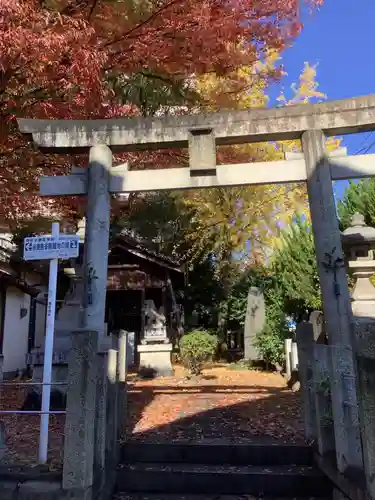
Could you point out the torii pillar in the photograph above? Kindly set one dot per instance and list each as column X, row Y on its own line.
column 96, row 238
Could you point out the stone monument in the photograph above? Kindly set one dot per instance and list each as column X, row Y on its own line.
column 254, row 322
column 155, row 349
column 67, row 320
column 155, row 325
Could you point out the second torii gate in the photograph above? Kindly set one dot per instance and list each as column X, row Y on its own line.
column 201, row 134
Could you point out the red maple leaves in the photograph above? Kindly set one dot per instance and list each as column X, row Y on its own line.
column 57, row 56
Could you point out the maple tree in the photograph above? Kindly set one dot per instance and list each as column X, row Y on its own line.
column 95, row 58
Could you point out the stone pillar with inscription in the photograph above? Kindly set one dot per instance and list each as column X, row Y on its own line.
column 254, row 322
column 336, row 302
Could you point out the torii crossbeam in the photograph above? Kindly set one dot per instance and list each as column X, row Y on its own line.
column 346, row 116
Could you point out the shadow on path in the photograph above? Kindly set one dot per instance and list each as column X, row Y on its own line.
column 201, row 412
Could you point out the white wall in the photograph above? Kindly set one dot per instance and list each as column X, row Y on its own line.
column 40, row 316
column 16, row 330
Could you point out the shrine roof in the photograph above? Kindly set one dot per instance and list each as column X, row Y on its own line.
column 137, row 245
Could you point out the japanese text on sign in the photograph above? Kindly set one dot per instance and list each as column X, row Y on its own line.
column 50, row 247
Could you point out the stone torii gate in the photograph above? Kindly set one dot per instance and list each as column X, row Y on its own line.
column 201, row 134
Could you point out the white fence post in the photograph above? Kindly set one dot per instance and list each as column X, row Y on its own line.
column 288, row 352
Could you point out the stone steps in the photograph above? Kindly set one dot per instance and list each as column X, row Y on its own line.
column 171, row 496
column 224, row 479
column 242, row 454
column 150, row 471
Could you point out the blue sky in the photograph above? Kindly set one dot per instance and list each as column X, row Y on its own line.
column 340, row 38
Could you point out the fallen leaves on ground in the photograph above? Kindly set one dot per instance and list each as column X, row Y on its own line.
column 236, row 407
column 22, row 431
column 223, row 404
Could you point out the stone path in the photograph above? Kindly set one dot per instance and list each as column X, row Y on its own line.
column 233, row 406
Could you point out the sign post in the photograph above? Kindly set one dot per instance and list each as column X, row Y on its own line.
column 48, row 353
column 49, row 248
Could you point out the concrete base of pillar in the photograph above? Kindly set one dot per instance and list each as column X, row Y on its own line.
column 156, row 358
column 59, row 376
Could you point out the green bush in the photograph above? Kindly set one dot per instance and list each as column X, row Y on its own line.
column 270, row 345
column 196, row 348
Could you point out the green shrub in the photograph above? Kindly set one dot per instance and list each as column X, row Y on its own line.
column 196, row 348
column 270, row 345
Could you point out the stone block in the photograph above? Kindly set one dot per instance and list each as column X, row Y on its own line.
column 202, row 150
column 365, row 355
column 323, row 402
column 80, row 412
column 305, row 345
column 345, row 410
column 122, row 359
column 112, row 409
column 59, row 373
column 101, row 422
column 156, row 359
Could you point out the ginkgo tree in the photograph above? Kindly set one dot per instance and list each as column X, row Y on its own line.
column 223, row 221
column 105, row 58
column 227, row 219
column 233, row 226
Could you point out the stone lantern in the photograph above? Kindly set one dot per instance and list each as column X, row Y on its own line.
column 358, row 242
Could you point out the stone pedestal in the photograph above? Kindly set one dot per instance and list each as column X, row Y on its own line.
column 156, row 358
column 59, row 370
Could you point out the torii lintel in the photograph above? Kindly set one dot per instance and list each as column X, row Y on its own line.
column 232, row 127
